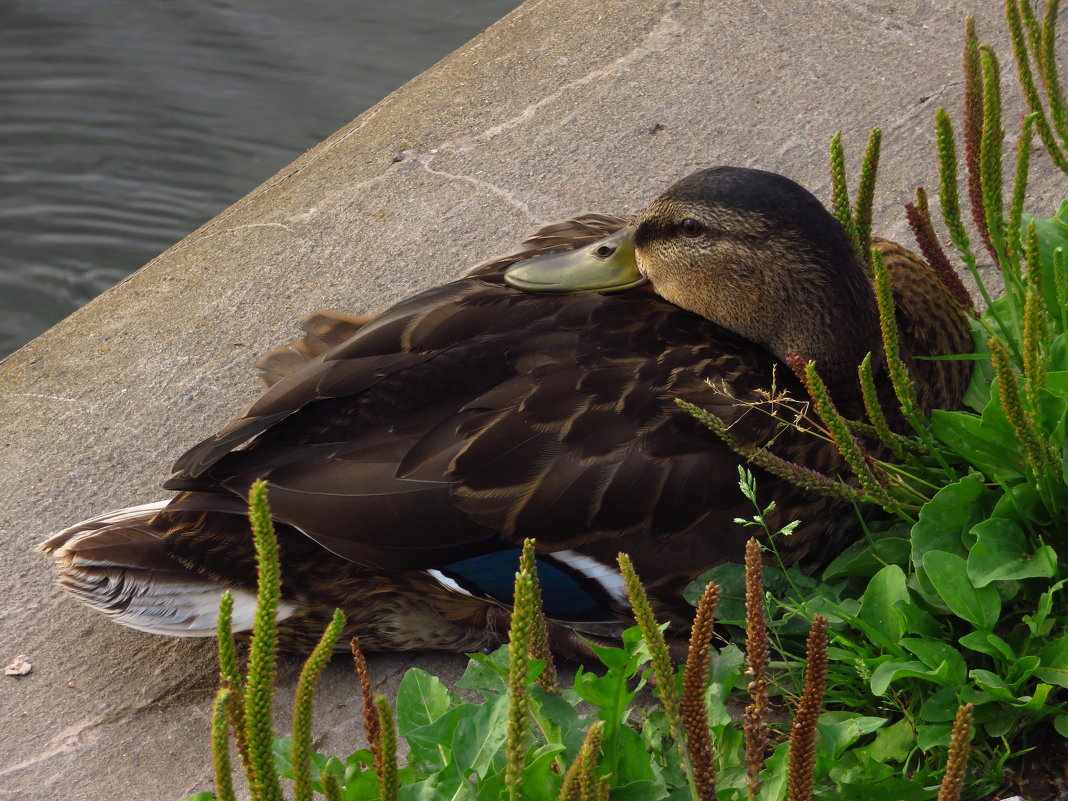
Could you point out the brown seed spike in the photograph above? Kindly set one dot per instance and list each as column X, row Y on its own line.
column 694, row 681
column 803, row 731
column 959, row 746
column 757, row 653
column 371, row 724
column 927, row 239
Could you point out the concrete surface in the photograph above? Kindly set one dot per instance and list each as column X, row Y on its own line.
column 563, row 106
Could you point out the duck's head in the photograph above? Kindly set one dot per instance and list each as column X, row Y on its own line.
column 749, row 250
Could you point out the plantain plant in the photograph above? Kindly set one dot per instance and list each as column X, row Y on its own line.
column 954, row 595
column 529, row 738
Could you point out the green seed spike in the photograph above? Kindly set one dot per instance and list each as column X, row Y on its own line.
column 230, row 675
column 1034, row 327
column 947, row 188
column 658, row 656
column 302, row 707
column 1048, row 67
column 875, row 411
column 1038, row 456
column 766, row 460
column 899, row 374
column 872, row 478
column 1060, row 286
column 580, row 781
column 539, row 646
column 259, row 686
column 331, row 789
column 388, row 784
column 862, row 211
column 990, row 149
column 220, row 744
column 524, row 615
column 839, row 189
column 973, row 126
column 1019, row 185
column 1027, row 83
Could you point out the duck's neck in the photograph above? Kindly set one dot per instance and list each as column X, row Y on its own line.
column 837, row 336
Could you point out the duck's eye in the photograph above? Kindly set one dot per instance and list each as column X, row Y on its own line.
column 691, row 227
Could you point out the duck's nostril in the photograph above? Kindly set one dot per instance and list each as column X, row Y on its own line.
column 604, row 251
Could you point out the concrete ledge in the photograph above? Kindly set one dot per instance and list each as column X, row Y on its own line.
column 557, row 109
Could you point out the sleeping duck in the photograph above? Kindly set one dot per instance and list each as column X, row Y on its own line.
column 408, row 455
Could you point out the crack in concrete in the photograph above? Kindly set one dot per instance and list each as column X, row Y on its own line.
column 659, row 38
column 508, row 197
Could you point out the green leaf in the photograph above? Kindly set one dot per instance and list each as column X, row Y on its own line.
column 202, row 796
column 889, row 672
column 878, row 604
column 948, row 574
column 993, row 684
column 947, row 517
column 928, row 737
column 864, row 559
column 487, row 673
column 480, row 736
column 935, row 653
column 640, row 791
column 1052, row 234
column 1054, row 662
column 986, row 642
column 449, row 784
column 421, row 699
column 839, row 730
column 1001, row 552
column 983, row 445
column 1060, row 723
column 893, row 743
column 730, row 577
column 941, row 706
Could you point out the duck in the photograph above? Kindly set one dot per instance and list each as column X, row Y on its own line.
column 409, row 453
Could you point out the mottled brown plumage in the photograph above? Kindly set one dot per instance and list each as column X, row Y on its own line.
column 408, row 454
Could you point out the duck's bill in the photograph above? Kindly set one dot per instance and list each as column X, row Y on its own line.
column 607, row 265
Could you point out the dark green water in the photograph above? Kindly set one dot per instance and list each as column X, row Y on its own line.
column 128, row 123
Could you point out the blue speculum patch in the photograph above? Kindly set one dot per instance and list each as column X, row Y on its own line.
column 567, row 594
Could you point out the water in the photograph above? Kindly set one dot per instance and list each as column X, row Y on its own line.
column 128, row 123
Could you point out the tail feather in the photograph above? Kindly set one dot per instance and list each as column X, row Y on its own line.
column 117, row 564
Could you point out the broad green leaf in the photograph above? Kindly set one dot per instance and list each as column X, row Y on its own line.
column 639, row 791
column 1060, row 723
column 893, row 743
column 986, row 642
column 1001, row 552
column 839, row 730
column 878, row 606
column 449, row 784
column 935, row 653
column 487, row 673
column 864, row 559
column 1054, row 662
column 948, row 516
column 928, row 737
column 948, row 574
column 480, row 736
column 889, row 672
column 983, row 445
column 941, row 706
column 421, row 699
column 730, row 577
column 993, row 684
